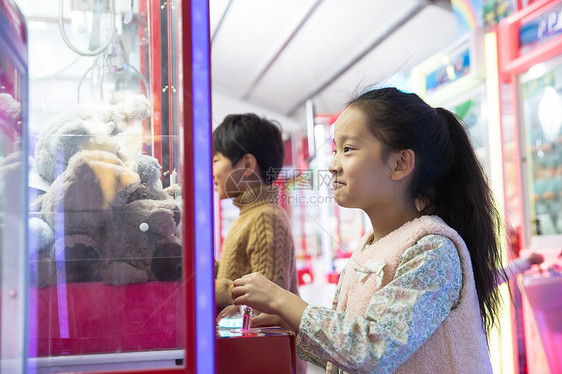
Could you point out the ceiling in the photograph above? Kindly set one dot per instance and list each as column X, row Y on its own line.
column 276, row 55
column 272, row 56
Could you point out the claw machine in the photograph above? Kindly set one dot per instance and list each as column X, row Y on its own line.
column 463, row 79
column 13, row 182
column 530, row 51
column 116, row 267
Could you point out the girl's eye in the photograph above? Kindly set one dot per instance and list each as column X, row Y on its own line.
column 344, row 149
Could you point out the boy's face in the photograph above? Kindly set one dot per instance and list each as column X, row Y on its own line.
column 227, row 177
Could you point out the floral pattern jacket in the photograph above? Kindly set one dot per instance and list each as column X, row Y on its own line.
column 399, row 318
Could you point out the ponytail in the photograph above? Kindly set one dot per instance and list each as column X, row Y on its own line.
column 465, row 202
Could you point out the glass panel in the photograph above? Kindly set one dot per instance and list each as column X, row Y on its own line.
column 105, row 207
column 12, row 187
column 541, row 91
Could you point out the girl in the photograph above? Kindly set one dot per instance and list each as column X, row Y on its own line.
column 418, row 294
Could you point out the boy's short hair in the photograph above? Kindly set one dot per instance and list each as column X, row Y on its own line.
column 239, row 134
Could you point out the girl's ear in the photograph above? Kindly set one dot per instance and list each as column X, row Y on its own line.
column 405, row 160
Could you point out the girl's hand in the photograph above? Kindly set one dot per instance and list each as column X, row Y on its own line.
column 256, row 291
column 260, row 293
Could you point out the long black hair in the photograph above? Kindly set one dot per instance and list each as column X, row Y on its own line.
column 448, row 178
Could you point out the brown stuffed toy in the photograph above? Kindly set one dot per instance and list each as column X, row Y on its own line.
column 109, row 226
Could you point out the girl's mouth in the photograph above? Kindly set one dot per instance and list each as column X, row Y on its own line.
column 337, row 184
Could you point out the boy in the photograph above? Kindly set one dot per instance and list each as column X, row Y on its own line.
column 248, row 154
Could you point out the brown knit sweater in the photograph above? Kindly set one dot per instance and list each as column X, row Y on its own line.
column 259, row 240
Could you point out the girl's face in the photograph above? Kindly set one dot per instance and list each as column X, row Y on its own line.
column 226, row 177
column 361, row 178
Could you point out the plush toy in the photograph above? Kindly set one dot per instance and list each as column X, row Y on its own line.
column 10, row 114
column 10, row 134
column 10, row 169
column 112, row 228
column 93, row 127
column 86, row 127
column 10, row 204
column 77, row 206
column 140, row 239
column 100, row 213
column 149, row 171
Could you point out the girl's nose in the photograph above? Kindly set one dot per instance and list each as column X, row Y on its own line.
column 334, row 167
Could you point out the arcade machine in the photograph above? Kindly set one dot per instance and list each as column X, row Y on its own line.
column 82, row 302
column 530, row 64
column 13, row 182
column 455, row 79
column 463, row 79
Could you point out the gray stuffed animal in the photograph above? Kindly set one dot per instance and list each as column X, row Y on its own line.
column 85, row 127
column 141, row 242
column 77, row 206
column 110, row 226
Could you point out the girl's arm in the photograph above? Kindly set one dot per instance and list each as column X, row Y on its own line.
column 399, row 318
